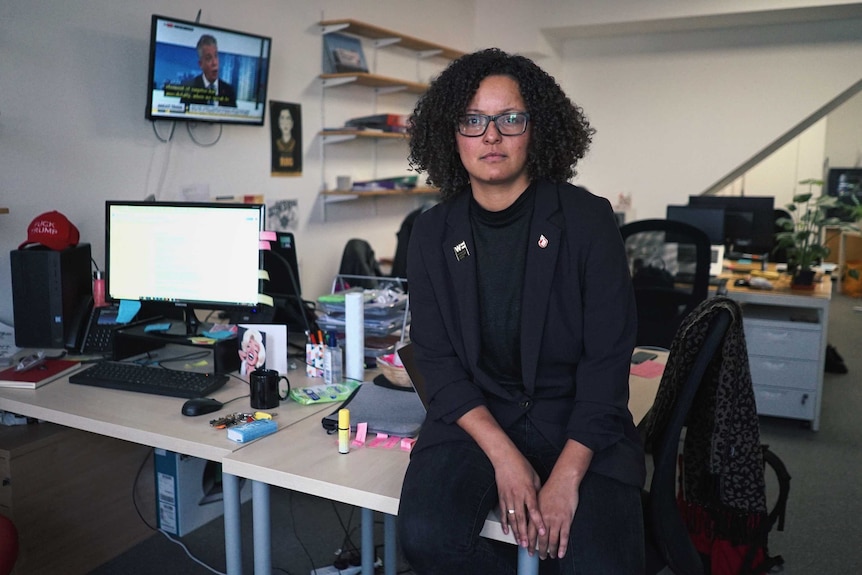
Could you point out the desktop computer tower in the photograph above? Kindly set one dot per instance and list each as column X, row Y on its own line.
column 189, row 491
column 49, row 289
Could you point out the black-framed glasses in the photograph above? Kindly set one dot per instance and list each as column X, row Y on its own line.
column 508, row 124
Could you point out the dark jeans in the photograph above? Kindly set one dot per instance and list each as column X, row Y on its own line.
column 449, row 489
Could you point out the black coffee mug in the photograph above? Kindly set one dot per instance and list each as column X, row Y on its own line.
column 264, row 388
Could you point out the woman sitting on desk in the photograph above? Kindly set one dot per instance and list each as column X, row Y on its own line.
column 523, row 322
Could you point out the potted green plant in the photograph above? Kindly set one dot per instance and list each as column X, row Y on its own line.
column 802, row 234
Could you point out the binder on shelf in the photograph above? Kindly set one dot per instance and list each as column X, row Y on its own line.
column 385, row 122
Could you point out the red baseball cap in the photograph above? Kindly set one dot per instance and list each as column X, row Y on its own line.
column 52, row 230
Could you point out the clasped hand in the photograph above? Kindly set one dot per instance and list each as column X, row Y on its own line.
column 540, row 516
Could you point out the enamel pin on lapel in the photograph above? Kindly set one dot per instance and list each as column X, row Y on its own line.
column 543, row 241
column 461, row 251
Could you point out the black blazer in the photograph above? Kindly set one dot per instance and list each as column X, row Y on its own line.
column 578, row 326
column 226, row 93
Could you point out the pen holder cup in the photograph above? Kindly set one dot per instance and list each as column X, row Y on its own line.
column 314, row 359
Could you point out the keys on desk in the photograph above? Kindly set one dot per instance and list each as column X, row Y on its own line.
column 153, row 380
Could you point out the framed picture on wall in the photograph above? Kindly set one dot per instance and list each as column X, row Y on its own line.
column 286, row 130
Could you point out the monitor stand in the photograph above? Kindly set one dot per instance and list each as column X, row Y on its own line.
column 191, row 321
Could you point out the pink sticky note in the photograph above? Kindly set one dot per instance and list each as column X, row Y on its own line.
column 407, row 443
column 268, row 236
column 263, row 246
column 381, row 438
column 392, row 442
column 648, row 369
column 361, row 432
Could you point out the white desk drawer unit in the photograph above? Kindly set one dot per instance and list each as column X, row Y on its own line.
column 785, row 346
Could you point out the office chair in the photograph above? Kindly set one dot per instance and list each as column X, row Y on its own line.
column 359, row 265
column 668, row 543
column 669, row 262
column 706, row 509
column 358, row 258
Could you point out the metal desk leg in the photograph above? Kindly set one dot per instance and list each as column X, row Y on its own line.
column 527, row 565
column 261, row 528
column 232, row 526
column 367, row 541
column 389, row 548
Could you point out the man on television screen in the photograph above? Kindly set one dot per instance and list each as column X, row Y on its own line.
column 207, row 88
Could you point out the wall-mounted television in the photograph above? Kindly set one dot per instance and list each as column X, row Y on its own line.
column 203, row 73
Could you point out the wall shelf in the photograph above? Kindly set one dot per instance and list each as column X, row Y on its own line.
column 337, row 136
column 376, row 81
column 386, row 37
column 332, row 196
column 380, row 38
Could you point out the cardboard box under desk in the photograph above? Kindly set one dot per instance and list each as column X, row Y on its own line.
column 189, row 491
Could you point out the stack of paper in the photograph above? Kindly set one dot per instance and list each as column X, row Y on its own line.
column 384, row 311
column 8, row 349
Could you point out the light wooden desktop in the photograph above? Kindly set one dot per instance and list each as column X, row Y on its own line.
column 304, row 458
column 156, row 421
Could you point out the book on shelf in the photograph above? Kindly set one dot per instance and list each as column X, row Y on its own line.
column 342, row 53
column 46, row 372
column 382, row 121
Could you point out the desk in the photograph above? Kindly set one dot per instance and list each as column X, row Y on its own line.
column 369, row 478
column 154, row 421
column 786, row 331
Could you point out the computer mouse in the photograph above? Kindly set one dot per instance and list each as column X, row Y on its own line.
column 201, row 406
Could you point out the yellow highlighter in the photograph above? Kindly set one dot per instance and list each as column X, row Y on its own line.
column 343, row 430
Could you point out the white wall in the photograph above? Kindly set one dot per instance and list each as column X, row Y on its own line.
column 73, row 133
column 675, row 112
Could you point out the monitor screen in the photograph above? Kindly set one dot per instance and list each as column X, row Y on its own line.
column 206, row 74
column 844, row 183
column 281, row 263
column 187, row 254
column 709, row 220
column 749, row 221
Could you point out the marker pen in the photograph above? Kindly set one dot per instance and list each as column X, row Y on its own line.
column 344, row 430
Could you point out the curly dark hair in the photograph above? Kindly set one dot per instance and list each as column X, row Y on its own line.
column 560, row 137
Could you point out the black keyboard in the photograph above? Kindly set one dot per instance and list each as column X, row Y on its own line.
column 143, row 379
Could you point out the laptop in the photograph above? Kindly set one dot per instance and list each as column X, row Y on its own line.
column 409, row 361
column 385, row 410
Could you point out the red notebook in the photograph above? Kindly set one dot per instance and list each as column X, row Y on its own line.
column 48, row 371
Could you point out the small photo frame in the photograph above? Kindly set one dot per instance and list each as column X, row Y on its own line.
column 252, row 349
column 343, row 53
column 273, row 349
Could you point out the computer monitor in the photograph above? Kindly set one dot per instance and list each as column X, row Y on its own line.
column 284, row 285
column 184, row 254
column 710, row 220
column 844, row 184
column 749, row 221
